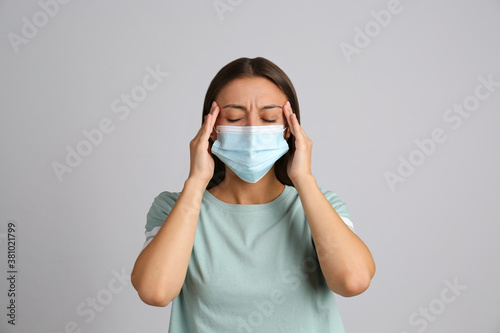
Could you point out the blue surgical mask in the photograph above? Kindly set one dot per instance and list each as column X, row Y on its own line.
column 250, row 151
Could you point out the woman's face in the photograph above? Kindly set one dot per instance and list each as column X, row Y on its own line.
column 252, row 101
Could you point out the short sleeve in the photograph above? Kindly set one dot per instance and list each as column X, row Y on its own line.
column 339, row 206
column 161, row 207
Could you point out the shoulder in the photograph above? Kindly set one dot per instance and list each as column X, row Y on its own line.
column 332, row 196
column 161, row 207
column 339, row 205
column 166, row 199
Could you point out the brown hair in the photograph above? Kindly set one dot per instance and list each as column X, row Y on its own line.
column 256, row 67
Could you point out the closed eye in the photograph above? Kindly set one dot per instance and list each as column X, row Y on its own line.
column 266, row 120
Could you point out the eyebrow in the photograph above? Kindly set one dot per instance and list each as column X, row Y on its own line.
column 241, row 107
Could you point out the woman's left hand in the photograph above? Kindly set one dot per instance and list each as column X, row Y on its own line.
column 299, row 164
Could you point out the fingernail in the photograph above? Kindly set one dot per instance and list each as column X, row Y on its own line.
column 213, row 103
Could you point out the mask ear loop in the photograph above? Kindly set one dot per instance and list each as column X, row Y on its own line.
column 285, row 130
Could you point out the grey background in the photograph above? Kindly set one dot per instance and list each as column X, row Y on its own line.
column 440, row 224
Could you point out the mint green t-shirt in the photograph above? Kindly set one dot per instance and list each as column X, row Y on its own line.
column 253, row 268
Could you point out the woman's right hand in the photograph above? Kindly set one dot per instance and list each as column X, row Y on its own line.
column 160, row 270
column 202, row 164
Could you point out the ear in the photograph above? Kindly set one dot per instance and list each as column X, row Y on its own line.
column 213, row 135
column 287, row 132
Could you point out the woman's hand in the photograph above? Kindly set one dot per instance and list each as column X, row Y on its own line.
column 299, row 164
column 202, row 164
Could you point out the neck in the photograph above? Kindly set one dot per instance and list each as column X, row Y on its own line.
column 234, row 190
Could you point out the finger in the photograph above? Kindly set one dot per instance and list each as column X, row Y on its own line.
column 296, row 124
column 206, row 123
column 297, row 130
column 301, row 135
column 215, row 111
column 202, row 129
column 212, row 107
column 287, row 112
column 292, row 119
column 285, row 115
column 210, row 121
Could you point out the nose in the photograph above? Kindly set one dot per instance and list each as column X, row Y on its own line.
column 253, row 118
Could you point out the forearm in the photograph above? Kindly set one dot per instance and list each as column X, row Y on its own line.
column 345, row 261
column 160, row 269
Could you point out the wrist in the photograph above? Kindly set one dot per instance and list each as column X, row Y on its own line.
column 196, row 183
column 304, row 181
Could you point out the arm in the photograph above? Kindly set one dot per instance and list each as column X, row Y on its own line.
column 160, row 270
column 345, row 261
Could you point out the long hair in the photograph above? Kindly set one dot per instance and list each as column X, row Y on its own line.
column 256, row 67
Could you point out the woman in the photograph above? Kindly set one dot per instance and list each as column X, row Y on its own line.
column 251, row 243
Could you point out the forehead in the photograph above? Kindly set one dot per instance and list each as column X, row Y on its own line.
column 254, row 88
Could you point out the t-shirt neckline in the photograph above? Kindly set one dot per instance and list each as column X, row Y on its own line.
column 251, row 207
